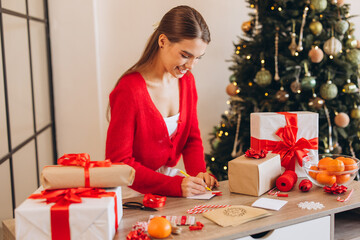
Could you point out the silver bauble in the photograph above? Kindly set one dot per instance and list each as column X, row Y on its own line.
column 332, row 46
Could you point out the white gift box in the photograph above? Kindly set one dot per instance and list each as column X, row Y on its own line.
column 263, row 126
column 93, row 218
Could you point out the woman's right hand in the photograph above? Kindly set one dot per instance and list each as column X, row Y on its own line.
column 191, row 186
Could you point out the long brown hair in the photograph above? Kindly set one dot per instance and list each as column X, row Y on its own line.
column 181, row 22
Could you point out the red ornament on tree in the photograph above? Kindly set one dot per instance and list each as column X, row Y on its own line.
column 305, row 185
column 316, row 54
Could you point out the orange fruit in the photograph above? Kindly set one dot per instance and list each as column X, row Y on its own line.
column 325, row 178
column 350, row 164
column 313, row 174
column 335, row 165
column 159, row 227
column 343, row 178
column 324, row 162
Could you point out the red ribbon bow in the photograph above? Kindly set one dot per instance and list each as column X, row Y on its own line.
column 153, row 201
column 60, row 228
column 82, row 160
column 288, row 148
column 251, row 153
column 335, row 189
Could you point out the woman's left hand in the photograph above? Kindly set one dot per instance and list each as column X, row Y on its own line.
column 208, row 179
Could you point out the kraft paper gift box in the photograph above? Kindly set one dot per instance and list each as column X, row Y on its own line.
column 252, row 176
column 291, row 134
column 93, row 218
column 76, row 170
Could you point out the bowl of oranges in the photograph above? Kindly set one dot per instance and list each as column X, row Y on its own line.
column 327, row 169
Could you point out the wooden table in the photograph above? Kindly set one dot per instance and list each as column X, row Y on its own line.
column 287, row 215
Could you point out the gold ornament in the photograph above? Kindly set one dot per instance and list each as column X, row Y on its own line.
column 246, row 26
column 316, row 27
column 355, row 113
column 350, row 87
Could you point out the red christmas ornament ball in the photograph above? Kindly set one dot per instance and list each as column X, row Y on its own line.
column 316, row 54
column 305, row 185
column 232, row 89
column 342, row 120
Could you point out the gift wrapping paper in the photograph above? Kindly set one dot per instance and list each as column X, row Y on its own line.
column 57, row 176
column 253, row 176
column 264, row 125
column 93, row 218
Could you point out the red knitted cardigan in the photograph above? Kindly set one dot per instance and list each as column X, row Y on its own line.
column 138, row 136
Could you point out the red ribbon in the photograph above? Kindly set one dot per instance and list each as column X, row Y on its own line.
column 154, row 201
column 82, row 160
column 335, row 189
column 288, row 148
column 60, row 227
column 251, row 153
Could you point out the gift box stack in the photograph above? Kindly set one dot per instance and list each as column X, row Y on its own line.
column 78, row 199
column 288, row 135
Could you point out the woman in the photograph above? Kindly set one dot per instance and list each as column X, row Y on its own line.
column 153, row 110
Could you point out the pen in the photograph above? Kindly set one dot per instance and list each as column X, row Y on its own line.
column 187, row 175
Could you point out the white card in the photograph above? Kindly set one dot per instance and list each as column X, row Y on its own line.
column 207, row 195
column 268, row 203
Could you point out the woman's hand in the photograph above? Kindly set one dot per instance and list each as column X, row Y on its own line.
column 209, row 179
column 191, row 186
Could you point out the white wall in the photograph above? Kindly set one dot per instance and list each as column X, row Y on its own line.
column 94, row 42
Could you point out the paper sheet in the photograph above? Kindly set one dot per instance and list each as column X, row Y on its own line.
column 206, row 195
column 268, row 203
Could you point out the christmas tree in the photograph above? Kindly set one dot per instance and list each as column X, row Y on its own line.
column 294, row 55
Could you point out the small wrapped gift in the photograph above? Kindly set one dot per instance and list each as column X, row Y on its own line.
column 253, row 176
column 83, row 213
column 293, row 135
column 76, row 170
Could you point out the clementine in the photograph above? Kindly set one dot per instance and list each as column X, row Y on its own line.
column 313, row 171
column 350, row 164
column 325, row 178
column 159, row 227
column 324, row 162
column 343, row 178
column 335, row 165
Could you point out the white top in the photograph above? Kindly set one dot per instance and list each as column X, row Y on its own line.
column 172, row 123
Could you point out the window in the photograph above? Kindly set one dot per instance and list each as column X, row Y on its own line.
column 27, row 127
